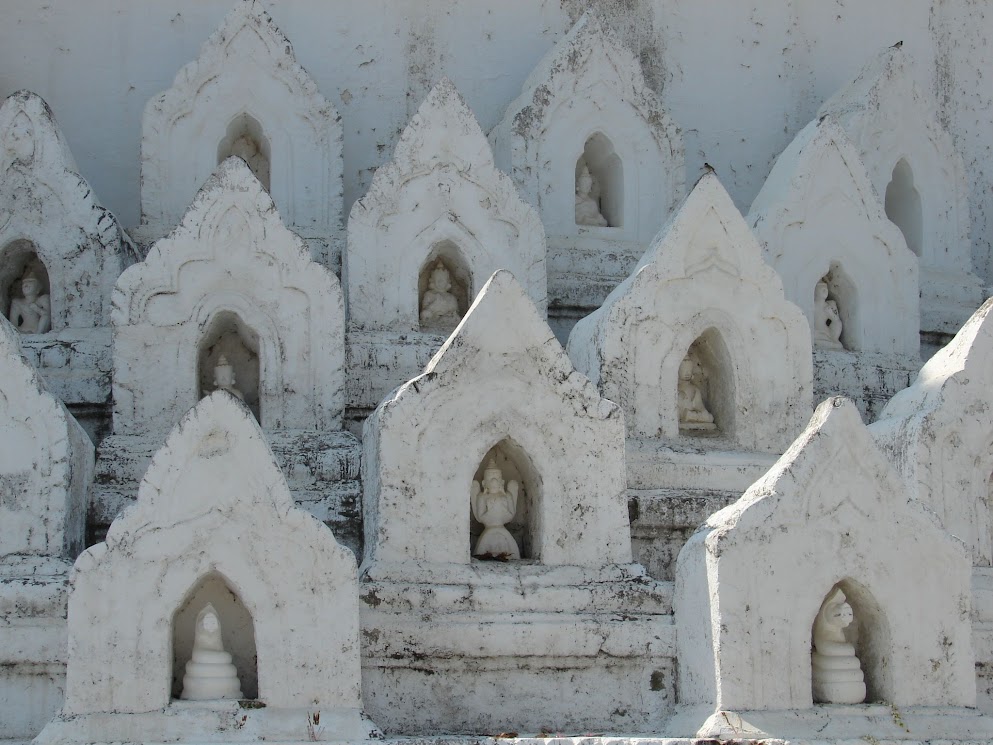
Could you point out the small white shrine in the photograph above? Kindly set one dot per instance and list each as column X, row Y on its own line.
column 60, row 254
column 916, row 171
column 245, row 95
column 592, row 147
column 219, row 590
column 758, row 606
column 437, row 221
column 844, row 263
column 501, row 467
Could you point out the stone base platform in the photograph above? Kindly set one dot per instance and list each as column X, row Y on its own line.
column 322, row 469
column 869, row 380
column 33, row 633
column 379, row 361
column 492, row 647
column 190, row 722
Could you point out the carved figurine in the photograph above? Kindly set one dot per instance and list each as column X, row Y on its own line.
column 31, row 314
column 224, row 378
column 494, row 507
column 587, row 207
column 693, row 414
column 210, row 674
column 439, row 307
column 827, row 321
column 246, row 148
column 837, row 676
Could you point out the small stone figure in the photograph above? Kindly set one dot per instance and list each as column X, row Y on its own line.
column 31, row 314
column 210, row 675
column 693, row 414
column 827, row 321
column 837, row 676
column 246, row 148
column 587, row 207
column 494, row 507
column 224, row 378
column 439, row 307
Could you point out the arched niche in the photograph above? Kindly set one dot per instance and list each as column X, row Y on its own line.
column 229, row 337
column 903, row 206
column 525, row 527
column 607, row 170
column 237, row 630
column 842, row 290
column 869, row 634
column 19, row 259
column 707, row 368
column 448, row 254
column 245, row 138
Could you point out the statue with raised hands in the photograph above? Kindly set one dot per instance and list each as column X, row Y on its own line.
column 495, row 506
column 32, row 313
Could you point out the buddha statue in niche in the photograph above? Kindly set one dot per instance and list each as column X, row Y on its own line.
column 827, row 320
column 439, row 307
column 587, row 206
column 837, row 675
column 246, row 148
column 693, row 414
column 210, row 674
column 494, row 507
column 224, row 379
column 31, row 314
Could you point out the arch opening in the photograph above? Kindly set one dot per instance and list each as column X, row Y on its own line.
column 25, row 288
column 228, row 358
column 499, row 512
column 246, row 139
column 599, row 181
column 903, row 206
column 705, row 395
column 444, row 288
column 846, row 646
column 236, row 634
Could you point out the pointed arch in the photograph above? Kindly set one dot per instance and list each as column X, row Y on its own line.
column 903, row 206
column 227, row 335
column 245, row 137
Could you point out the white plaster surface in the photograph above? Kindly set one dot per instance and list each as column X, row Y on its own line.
column 890, row 119
column 818, row 215
column 441, row 187
column 590, row 84
column 938, row 433
column 751, row 581
column 231, row 255
column 702, row 276
column 245, row 67
column 212, row 502
column 46, row 465
column 501, row 375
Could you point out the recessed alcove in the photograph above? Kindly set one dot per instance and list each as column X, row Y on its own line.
column 229, row 337
column 843, row 291
column 607, row 171
column 869, row 634
column 18, row 260
column 432, row 315
column 514, row 465
column 237, row 632
column 246, row 138
column 711, row 367
column 903, row 205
